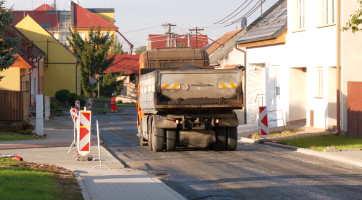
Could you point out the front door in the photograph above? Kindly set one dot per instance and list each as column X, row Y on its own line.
column 354, row 115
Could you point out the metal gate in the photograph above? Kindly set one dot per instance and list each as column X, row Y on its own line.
column 354, row 112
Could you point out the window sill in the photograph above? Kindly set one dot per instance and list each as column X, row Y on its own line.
column 326, row 25
column 318, row 97
column 297, row 31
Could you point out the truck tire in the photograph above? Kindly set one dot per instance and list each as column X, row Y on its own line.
column 232, row 138
column 142, row 142
column 149, row 133
column 158, row 136
column 220, row 134
column 170, row 140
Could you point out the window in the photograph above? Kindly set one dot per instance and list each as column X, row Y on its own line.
column 46, row 24
column 82, row 35
column 298, row 15
column 319, row 82
column 327, row 12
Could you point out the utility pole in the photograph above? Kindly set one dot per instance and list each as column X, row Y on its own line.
column 169, row 34
column 196, row 29
column 175, row 38
column 188, row 40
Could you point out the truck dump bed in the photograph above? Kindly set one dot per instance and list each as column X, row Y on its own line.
column 197, row 88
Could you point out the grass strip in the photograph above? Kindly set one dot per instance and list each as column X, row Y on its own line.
column 19, row 182
column 10, row 137
column 321, row 142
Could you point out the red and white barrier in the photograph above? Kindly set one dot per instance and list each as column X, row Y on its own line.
column 90, row 104
column 263, row 117
column 84, row 132
column 77, row 106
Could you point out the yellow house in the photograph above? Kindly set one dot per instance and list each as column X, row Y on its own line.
column 61, row 70
column 26, row 74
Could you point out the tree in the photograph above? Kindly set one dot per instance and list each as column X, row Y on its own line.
column 140, row 49
column 93, row 52
column 7, row 46
column 116, row 48
column 110, row 84
column 355, row 21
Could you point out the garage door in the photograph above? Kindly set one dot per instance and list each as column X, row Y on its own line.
column 354, row 114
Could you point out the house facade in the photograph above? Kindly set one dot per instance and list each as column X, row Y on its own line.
column 265, row 45
column 26, row 74
column 61, row 70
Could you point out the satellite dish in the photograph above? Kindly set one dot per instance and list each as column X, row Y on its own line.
column 244, row 22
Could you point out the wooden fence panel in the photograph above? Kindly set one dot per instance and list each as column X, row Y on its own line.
column 14, row 105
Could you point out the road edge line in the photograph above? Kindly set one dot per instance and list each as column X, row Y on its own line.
column 341, row 159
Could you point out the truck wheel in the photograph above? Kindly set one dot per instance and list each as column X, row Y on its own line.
column 157, row 138
column 149, row 134
column 232, row 138
column 220, row 134
column 142, row 143
column 170, row 140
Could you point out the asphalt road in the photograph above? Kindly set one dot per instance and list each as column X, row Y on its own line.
column 251, row 172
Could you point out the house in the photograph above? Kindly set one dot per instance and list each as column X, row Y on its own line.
column 222, row 52
column 59, row 22
column 26, row 74
column 130, row 65
column 265, row 45
column 160, row 41
column 61, row 70
column 315, row 49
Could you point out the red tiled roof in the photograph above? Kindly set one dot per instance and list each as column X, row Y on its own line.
column 122, row 62
column 159, row 41
column 84, row 18
column 221, row 40
column 44, row 7
column 38, row 16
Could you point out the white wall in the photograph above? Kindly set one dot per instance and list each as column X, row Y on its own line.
column 311, row 48
column 273, row 57
column 234, row 57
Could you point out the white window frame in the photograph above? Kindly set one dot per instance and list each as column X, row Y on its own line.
column 298, row 15
column 319, row 82
column 327, row 12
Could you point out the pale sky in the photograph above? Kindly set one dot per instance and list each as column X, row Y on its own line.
column 132, row 15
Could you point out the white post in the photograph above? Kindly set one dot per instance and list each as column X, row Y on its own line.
column 47, row 106
column 39, row 114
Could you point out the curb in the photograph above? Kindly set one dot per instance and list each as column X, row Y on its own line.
column 247, row 140
column 84, row 190
column 341, row 159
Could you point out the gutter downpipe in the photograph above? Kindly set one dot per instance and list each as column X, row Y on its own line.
column 244, row 101
column 338, row 67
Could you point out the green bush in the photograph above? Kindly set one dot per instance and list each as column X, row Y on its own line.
column 63, row 95
column 73, row 98
column 54, row 106
column 119, row 102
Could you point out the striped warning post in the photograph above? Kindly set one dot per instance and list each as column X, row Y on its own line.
column 77, row 106
column 90, row 104
column 170, row 86
column 228, row 85
column 84, row 132
column 263, row 117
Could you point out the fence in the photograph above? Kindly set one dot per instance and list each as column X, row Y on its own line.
column 14, row 105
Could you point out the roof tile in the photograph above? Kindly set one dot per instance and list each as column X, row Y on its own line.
column 122, row 62
column 85, row 19
column 222, row 40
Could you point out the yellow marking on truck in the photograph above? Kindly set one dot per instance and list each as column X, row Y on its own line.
column 170, row 86
column 228, row 85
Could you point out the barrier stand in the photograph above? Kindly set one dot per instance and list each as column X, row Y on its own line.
column 99, row 152
column 73, row 113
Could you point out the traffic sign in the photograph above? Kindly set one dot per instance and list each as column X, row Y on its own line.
column 92, row 81
column 84, row 132
column 263, row 117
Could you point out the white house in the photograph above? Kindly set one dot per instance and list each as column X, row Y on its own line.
column 266, row 69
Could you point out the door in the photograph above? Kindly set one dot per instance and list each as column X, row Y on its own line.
column 354, row 112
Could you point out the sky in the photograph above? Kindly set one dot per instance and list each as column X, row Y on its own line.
column 131, row 15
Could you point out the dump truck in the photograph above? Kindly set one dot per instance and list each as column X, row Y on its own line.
column 183, row 102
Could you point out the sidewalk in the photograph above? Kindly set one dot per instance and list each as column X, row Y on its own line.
column 99, row 183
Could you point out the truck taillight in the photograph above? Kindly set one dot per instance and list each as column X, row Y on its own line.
column 217, row 121
column 177, row 121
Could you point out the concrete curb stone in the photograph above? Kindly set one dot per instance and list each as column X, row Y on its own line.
column 85, row 193
column 324, row 155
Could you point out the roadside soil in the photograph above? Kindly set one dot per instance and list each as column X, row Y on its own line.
column 66, row 180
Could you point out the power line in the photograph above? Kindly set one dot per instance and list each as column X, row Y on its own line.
column 221, row 21
column 141, row 29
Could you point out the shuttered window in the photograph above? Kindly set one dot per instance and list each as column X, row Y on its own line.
column 298, row 15
column 326, row 12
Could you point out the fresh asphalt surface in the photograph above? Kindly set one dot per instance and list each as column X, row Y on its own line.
column 251, row 172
